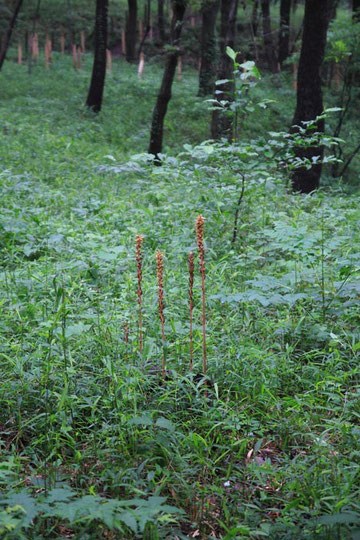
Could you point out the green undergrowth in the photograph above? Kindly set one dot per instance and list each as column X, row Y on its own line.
column 93, row 443
column 43, row 112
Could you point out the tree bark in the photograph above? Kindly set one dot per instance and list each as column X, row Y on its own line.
column 332, row 10
column 164, row 95
column 208, row 48
column 255, row 18
column 69, row 17
column 147, row 20
column 130, row 31
column 356, row 10
column 221, row 123
column 284, row 34
column 161, row 21
column 10, row 28
column 309, row 103
column 94, row 99
column 267, row 36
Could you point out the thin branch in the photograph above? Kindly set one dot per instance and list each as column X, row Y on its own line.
column 293, row 47
column 349, row 160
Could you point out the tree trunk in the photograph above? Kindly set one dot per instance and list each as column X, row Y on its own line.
column 356, row 10
column 284, row 34
column 161, row 21
column 94, row 99
column 130, row 32
column 208, row 48
column 255, row 18
column 164, row 95
column 70, row 25
column 221, row 123
column 147, row 21
column 10, row 28
column 332, row 10
column 309, row 103
column 267, row 36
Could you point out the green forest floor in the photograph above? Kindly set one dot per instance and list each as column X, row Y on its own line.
column 93, row 443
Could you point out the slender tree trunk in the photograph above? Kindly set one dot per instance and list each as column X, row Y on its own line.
column 267, row 35
column 225, row 7
column 34, row 21
column 332, row 10
column 309, row 93
column 161, row 21
column 208, row 47
column 356, row 10
column 221, row 123
column 70, row 25
column 130, row 32
column 26, row 43
column 284, row 34
column 6, row 39
column 164, row 95
column 94, row 99
column 255, row 18
column 253, row 30
column 147, row 17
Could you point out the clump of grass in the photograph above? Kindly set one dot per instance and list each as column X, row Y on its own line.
column 199, row 226
column 139, row 242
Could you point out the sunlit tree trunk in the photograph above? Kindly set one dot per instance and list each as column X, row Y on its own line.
column 164, row 95
column 284, row 34
column 94, row 99
column 309, row 102
column 208, row 47
column 221, row 123
column 6, row 39
column 267, row 36
column 130, row 34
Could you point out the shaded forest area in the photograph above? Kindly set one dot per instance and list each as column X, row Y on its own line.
column 320, row 48
column 179, row 269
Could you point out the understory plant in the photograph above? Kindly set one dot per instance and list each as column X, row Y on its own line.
column 241, row 103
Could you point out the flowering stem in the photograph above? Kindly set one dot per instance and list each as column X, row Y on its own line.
column 191, row 292
column 160, row 277
column 199, row 225
column 139, row 241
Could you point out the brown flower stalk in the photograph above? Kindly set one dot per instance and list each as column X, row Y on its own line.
column 191, row 304
column 160, row 277
column 126, row 333
column 139, row 242
column 126, row 339
column 199, row 226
